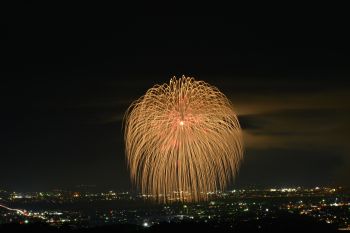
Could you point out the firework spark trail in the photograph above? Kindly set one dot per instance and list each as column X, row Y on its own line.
column 182, row 140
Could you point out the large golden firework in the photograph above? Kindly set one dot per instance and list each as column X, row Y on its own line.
column 182, row 140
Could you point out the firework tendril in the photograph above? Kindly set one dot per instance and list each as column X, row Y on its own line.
column 182, row 141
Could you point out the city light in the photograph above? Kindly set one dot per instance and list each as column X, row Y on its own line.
column 322, row 204
column 145, row 224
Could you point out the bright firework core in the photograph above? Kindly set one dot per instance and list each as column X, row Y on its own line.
column 182, row 140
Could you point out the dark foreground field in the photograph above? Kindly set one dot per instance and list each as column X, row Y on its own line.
column 286, row 223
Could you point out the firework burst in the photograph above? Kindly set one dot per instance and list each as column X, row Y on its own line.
column 182, row 140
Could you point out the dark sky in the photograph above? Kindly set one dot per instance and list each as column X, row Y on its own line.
column 66, row 80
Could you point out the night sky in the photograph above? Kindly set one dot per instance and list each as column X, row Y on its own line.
column 66, row 81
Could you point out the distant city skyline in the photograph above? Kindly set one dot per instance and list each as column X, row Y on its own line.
column 327, row 205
